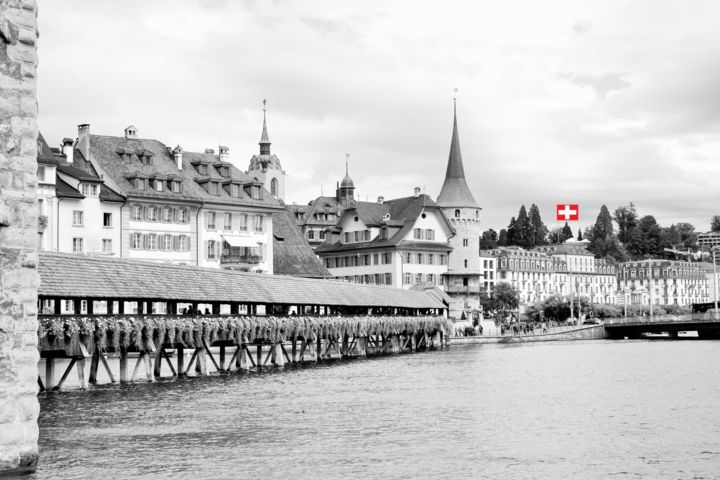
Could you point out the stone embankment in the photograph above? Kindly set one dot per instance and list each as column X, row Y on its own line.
column 19, row 280
column 582, row 332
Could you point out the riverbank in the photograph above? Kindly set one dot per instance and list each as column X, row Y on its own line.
column 582, row 332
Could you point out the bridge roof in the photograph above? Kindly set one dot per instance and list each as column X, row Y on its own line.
column 66, row 275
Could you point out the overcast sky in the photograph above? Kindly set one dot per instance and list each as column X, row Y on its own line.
column 559, row 101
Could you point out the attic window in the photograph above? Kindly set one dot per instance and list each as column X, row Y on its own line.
column 255, row 192
column 213, row 188
column 139, row 183
column 202, row 169
column 145, row 159
column 235, row 190
column 224, row 171
column 176, row 187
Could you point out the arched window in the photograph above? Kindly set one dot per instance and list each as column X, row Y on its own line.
column 274, row 187
column 457, row 213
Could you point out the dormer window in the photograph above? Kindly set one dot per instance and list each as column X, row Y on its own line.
column 213, row 188
column 224, row 171
column 139, row 183
column 88, row 189
column 255, row 191
column 176, row 187
column 145, row 159
column 202, row 169
column 235, row 190
column 158, row 185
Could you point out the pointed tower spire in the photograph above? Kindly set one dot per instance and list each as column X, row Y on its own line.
column 455, row 191
column 264, row 139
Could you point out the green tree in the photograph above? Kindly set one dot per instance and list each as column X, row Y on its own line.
column 539, row 230
column 503, row 238
column 489, row 240
column 524, row 236
column 512, row 232
column 579, row 237
column 502, row 299
column 627, row 219
column 603, row 227
column 715, row 223
column 566, row 233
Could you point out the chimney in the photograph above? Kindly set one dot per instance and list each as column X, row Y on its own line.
column 83, row 141
column 67, row 149
column 130, row 132
column 177, row 155
column 224, row 153
column 416, row 192
column 210, row 151
column 381, row 199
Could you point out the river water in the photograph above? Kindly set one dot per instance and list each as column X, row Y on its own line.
column 583, row 410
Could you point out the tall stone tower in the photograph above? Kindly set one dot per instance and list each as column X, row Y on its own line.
column 266, row 166
column 462, row 280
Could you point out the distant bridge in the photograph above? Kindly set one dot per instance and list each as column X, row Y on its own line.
column 706, row 324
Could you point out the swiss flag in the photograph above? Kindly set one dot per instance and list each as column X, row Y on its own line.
column 567, row 212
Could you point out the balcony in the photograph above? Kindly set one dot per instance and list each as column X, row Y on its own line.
column 239, row 261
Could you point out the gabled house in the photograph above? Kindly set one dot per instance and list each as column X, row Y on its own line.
column 400, row 242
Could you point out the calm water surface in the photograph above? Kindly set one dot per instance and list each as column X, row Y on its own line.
column 583, row 410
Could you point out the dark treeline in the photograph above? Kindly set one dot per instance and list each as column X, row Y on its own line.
column 636, row 237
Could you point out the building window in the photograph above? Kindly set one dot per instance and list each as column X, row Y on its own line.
column 429, row 234
column 152, row 241
column 107, row 219
column 227, row 223
column 137, row 212
column 443, row 259
column 408, row 258
column 321, row 234
column 258, row 223
column 376, row 258
column 166, row 242
column 408, row 279
column 151, row 214
column 431, row 278
column 386, row 258
column 357, row 235
column 202, row 169
column 367, row 235
column 457, row 213
column 41, row 173
column 213, row 188
column 234, row 190
column 420, row 258
column 465, row 262
column 77, row 245
column 417, row 233
column 88, row 189
column 466, row 242
column 167, row 214
column 175, row 186
column 140, row 183
column 242, row 222
column 182, row 244
column 274, row 187
column 311, row 234
column 158, row 184
column 107, row 245
column 77, row 218
column 418, row 278
column 41, row 206
column 181, row 215
column 431, row 259
column 211, row 249
column 255, row 191
column 210, row 220
column 388, row 279
column 136, row 241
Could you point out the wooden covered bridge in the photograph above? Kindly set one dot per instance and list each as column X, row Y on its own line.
column 94, row 306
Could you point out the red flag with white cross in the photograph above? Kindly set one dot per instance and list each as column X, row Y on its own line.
column 567, row 212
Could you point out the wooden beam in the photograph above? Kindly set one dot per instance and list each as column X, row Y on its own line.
column 212, row 357
column 40, row 384
column 148, row 367
column 81, row 373
column 107, row 367
column 180, row 352
column 167, row 359
column 49, row 372
column 94, row 364
column 65, row 375
column 158, row 361
column 123, row 366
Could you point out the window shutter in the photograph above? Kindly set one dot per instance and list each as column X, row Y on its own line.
column 175, row 243
column 145, row 212
column 219, row 220
column 218, row 249
column 145, row 242
column 207, row 220
column 206, row 249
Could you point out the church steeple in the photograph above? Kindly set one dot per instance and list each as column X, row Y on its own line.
column 264, row 139
column 455, row 191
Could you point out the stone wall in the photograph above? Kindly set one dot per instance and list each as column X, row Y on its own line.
column 18, row 236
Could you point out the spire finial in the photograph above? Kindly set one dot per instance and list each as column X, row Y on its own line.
column 264, row 138
column 347, row 158
column 455, row 91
